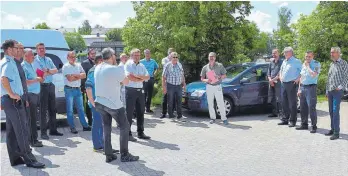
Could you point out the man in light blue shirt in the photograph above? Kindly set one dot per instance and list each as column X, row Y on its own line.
column 137, row 74
column 108, row 79
column 151, row 67
column 289, row 75
column 13, row 104
column 33, row 82
column 47, row 94
column 308, row 91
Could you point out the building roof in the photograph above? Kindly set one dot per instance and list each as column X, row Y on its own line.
column 106, row 44
column 93, row 36
column 101, row 31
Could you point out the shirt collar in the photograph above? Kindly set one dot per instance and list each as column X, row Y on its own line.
column 8, row 58
column 339, row 60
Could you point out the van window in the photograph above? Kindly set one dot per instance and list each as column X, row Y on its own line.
column 55, row 59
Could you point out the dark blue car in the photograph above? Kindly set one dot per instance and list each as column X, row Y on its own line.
column 246, row 85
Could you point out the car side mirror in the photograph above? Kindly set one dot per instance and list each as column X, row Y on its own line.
column 244, row 80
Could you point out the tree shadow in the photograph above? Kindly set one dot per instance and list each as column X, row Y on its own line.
column 197, row 123
column 323, row 131
column 64, row 141
column 152, row 122
column 159, row 145
column 136, row 168
column 235, row 126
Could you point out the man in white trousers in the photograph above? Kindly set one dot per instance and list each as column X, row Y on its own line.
column 212, row 74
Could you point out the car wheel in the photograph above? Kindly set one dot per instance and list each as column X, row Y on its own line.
column 228, row 107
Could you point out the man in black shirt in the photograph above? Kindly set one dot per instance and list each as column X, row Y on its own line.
column 274, row 83
column 87, row 65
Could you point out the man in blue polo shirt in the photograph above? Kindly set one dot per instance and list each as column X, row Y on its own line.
column 33, row 82
column 151, row 67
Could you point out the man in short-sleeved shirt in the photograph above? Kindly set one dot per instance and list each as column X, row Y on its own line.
column 151, row 67
column 137, row 74
column 214, row 88
column 73, row 73
column 274, row 83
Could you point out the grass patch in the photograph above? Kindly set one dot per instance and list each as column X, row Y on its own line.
column 321, row 98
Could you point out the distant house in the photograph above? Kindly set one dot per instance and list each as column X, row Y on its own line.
column 100, row 31
column 117, row 46
column 89, row 39
column 65, row 30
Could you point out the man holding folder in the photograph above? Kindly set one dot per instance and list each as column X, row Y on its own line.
column 212, row 74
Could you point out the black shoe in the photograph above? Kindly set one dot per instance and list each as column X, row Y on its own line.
column 73, row 130
column 292, row 124
column 44, row 136
column 302, row 127
column 149, row 111
column 110, row 158
column 18, row 162
column 113, row 151
column 87, row 128
column 283, row 123
column 273, row 115
column 38, row 141
column 162, row 116
column 55, row 133
column 36, row 144
column 36, row 164
column 127, row 157
column 334, row 137
column 143, row 136
column 314, row 129
column 330, row 133
column 131, row 138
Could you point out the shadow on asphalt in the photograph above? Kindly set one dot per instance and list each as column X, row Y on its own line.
column 158, row 144
column 323, row 131
column 136, row 168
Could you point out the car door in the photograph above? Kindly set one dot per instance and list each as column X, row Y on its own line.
column 249, row 91
column 263, row 84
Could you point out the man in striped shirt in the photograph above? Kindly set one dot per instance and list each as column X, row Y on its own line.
column 336, row 82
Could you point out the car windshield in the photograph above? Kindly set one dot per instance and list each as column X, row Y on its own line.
column 234, row 71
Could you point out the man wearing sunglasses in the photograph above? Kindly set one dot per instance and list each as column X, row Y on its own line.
column 16, row 128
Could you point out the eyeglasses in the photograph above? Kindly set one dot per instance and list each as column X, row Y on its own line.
column 175, row 57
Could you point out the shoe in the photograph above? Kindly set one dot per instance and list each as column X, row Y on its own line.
column 37, row 144
column 102, row 150
column 283, row 123
column 292, row 125
column 131, row 138
column 87, row 128
column 110, row 158
column 334, row 137
column 73, row 130
column 302, row 127
column 149, row 111
column 44, row 136
column 36, row 164
column 127, row 157
column 143, row 136
column 330, row 133
column 162, row 116
column 37, row 141
column 56, row 133
column 314, row 129
column 212, row 121
column 273, row 115
column 18, row 161
column 115, row 151
column 225, row 122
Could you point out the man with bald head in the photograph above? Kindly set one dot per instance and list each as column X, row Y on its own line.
column 33, row 83
column 73, row 73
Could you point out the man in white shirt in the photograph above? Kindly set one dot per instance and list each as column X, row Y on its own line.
column 108, row 79
column 73, row 73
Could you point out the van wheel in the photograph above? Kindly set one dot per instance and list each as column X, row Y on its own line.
column 229, row 108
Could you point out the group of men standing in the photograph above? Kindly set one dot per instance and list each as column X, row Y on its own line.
column 289, row 79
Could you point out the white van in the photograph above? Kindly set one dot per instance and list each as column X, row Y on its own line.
column 56, row 48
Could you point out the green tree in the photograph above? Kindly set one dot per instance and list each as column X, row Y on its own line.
column 114, row 34
column 284, row 36
column 86, row 28
column 42, row 25
column 75, row 41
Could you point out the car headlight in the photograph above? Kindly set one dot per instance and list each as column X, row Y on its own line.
column 197, row 93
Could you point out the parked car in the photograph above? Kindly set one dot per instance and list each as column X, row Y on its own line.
column 56, row 48
column 246, row 85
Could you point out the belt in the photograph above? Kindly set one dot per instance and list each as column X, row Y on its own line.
column 45, row 84
column 289, row 82
column 68, row 87
column 19, row 102
column 308, row 84
column 132, row 88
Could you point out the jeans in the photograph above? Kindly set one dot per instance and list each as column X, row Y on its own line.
column 119, row 115
column 308, row 103
column 174, row 93
column 97, row 130
column 335, row 97
column 72, row 96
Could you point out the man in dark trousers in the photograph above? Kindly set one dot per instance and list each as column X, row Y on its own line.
column 47, row 94
column 13, row 104
column 135, row 99
column 274, row 83
column 33, row 82
column 87, row 65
